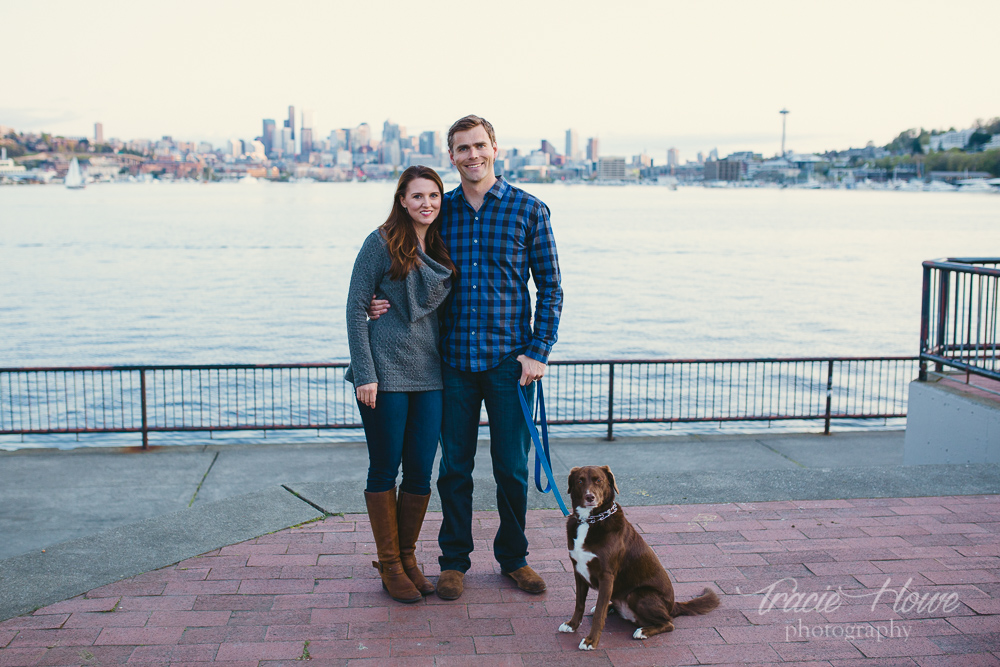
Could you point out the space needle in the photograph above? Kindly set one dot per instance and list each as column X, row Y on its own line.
column 784, row 117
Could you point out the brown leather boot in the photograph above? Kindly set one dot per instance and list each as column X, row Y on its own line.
column 382, row 514
column 410, row 510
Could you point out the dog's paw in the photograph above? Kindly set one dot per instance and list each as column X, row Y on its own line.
column 639, row 634
column 566, row 627
column 585, row 645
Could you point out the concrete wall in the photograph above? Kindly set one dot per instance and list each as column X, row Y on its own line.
column 945, row 424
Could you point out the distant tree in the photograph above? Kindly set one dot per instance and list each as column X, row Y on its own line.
column 14, row 149
column 977, row 140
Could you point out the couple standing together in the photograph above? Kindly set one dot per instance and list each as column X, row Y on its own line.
column 450, row 326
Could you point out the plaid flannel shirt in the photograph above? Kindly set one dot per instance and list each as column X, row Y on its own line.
column 488, row 315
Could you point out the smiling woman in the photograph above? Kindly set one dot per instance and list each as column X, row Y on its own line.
column 396, row 371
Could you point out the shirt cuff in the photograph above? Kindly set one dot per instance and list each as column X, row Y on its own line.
column 538, row 352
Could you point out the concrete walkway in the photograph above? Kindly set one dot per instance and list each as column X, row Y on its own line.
column 107, row 516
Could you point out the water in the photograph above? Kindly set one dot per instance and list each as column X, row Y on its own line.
column 229, row 273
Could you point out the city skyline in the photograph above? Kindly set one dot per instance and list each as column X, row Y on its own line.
column 642, row 77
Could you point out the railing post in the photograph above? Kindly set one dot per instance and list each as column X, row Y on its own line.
column 611, row 401
column 944, row 286
column 145, row 425
column 829, row 394
column 925, row 314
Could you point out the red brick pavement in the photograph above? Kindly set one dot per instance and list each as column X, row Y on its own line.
column 311, row 592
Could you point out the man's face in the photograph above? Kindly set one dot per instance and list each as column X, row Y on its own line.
column 473, row 154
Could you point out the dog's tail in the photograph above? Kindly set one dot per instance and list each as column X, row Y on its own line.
column 702, row 604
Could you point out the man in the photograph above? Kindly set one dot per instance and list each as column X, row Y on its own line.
column 496, row 234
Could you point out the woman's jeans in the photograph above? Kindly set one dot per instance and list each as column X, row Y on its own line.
column 464, row 394
column 403, row 427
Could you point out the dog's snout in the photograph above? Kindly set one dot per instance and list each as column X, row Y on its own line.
column 589, row 496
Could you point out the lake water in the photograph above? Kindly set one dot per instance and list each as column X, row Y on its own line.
column 227, row 273
column 235, row 273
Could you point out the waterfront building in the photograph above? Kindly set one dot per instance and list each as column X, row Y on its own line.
column 572, row 149
column 723, row 170
column 592, row 149
column 7, row 166
column 423, row 159
column 287, row 142
column 548, row 148
column 290, row 123
column 98, row 133
column 673, row 158
column 611, row 169
column 205, row 147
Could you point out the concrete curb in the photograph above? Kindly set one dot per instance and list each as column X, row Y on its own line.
column 68, row 569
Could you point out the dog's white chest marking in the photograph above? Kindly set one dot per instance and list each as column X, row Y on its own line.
column 624, row 611
column 580, row 555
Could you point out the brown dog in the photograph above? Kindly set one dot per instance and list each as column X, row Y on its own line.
column 609, row 555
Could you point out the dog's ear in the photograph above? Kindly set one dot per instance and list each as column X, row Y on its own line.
column 611, row 478
column 569, row 481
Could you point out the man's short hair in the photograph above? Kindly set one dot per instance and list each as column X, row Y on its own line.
column 467, row 123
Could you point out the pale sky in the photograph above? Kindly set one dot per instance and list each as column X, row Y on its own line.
column 638, row 75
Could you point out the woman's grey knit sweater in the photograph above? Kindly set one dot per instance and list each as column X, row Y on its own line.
column 399, row 350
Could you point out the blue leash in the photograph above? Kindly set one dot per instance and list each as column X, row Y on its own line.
column 542, row 457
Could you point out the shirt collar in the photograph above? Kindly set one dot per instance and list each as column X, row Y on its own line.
column 499, row 189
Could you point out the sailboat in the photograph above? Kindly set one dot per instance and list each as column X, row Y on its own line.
column 74, row 179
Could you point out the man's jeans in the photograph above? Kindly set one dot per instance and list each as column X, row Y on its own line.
column 464, row 393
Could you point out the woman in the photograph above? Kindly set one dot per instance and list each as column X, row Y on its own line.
column 396, row 371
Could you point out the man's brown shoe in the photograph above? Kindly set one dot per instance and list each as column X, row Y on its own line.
column 450, row 586
column 527, row 580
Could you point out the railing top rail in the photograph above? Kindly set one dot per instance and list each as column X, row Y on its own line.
column 175, row 367
column 343, row 364
column 732, row 360
column 965, row 265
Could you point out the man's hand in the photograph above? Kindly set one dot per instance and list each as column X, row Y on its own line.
column 531, row 369
column 366, row 394
column 377, row 307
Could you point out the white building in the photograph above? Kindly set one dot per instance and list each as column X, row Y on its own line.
column 949, row 140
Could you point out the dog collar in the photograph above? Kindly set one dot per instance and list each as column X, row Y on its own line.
column 600, row 517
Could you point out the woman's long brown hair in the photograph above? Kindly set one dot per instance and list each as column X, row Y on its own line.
column 399, row 232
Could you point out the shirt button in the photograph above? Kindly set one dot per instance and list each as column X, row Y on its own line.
column 477, row 218
column 475, row 263
column 473, row 287
column 475, row 240
column 473, row 333
column 473, row 310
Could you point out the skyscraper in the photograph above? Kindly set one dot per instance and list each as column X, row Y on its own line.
column 430, row 143
column 592, row 149
column 306, row 140
column 572, row 151
column 673, row 158
column 268, row 136
column 98, row 133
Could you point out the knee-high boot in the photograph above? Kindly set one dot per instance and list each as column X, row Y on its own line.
column 382, row 514
column 410, row 512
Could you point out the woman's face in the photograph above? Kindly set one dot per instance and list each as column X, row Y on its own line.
column 422, row 201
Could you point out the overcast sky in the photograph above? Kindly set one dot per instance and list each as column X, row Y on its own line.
column 638, row 75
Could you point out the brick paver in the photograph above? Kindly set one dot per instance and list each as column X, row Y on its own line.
column 908, row 581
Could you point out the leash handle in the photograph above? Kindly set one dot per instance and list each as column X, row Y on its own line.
column 542, row 456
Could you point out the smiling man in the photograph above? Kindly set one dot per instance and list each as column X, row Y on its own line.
column 498, row 237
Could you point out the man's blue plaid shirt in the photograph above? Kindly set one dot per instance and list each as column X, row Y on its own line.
column 488, row 315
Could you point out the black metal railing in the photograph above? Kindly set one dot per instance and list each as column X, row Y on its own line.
column 151, row 399
column 959, row 316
